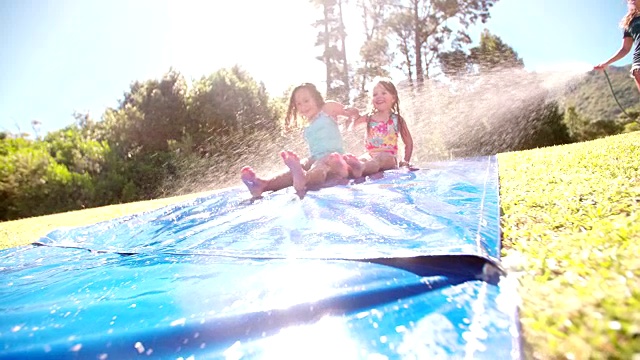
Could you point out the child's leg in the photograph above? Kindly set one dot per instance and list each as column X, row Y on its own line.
column 257, row 185
column 370, row 166
column 339, row 171
column 337, row 165
column 298, row 174
column 317, row 175
column 252, row 181
column 328, row 171
column 386, row 161
column 355, row 166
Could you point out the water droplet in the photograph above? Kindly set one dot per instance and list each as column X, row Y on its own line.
column 615, row 325
column 138, row 346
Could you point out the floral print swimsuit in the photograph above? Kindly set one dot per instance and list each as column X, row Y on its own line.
column 382, row 136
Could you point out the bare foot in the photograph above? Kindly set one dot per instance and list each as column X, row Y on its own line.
column 356, row 166
column 376, row 176
column 297, row 172
column 338, row 165
column 254, row 184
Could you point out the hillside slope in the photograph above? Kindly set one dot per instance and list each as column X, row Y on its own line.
column 592, row 96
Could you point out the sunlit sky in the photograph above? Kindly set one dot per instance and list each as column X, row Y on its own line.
column 61, row 56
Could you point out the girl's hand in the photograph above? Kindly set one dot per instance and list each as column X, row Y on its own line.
column 352, row 113
column 600, row 67
column 408, row 165
column 348, row 124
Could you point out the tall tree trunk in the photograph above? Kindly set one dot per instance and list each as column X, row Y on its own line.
column 418, row 43
column 369, row 36
column 345, row 65
column 326, row 46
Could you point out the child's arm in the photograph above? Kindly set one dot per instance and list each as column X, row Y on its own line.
column 335, row 109
column 627, row 43
column 407, row 140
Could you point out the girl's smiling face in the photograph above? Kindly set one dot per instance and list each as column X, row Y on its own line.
column 305, row 103
column 382, row 99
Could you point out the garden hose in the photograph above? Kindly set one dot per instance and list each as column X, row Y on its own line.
column 614, row 95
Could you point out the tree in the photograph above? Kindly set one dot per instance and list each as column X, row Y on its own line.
column 43, row 177
column 399, row 24
column 229, row 104
column 332, row 37
column 601, row 128
column 454, row 63
column 547, row 127
column 150, row 115
column 493, row 53
column 426, row 25
column 77, row 153
column 575, row 123
column 374, row 52
column 150, row 118
column 490, row 55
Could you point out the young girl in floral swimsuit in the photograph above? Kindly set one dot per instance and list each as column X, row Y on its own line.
column 384, row 124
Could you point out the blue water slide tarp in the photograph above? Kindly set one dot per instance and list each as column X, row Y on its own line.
column 406, row 266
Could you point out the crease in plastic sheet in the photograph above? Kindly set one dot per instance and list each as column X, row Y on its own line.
column 223, row 277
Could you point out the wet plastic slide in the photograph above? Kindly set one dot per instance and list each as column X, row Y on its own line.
column 401, row 267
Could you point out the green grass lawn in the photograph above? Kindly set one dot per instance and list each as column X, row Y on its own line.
column 26, row 231
column 572, row 212
column 570, row 215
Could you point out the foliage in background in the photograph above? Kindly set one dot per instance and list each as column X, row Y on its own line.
column 332, row 39
column 57, row 173
column 145, row 148
column 419, row 29
column 422, row 29
column 490, row 54
column 375, row 55
column 168, row 137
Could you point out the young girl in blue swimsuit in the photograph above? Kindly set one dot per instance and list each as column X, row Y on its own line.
column 325, row 164
column 631, row 35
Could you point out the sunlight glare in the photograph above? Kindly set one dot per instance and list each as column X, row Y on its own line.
column 273, row 41
column 291, row 286
column 329, row 338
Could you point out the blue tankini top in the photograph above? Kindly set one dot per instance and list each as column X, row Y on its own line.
column 323, row 136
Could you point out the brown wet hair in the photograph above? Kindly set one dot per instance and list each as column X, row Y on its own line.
column 292, row 112
column 387, row 84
